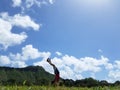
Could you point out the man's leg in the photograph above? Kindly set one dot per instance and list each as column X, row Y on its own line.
column 56, row 79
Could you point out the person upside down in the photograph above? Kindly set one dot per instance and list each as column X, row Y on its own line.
column 56, row 72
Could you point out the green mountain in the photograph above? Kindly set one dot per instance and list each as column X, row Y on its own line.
column 36, row 75
column 31, row 75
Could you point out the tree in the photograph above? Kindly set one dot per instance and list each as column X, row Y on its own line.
column 29, row 75
column 103, row 83
column 69, row 82
column 3, row 77
column 117, row 83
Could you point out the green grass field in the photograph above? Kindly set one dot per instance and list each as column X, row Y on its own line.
column 55, row 88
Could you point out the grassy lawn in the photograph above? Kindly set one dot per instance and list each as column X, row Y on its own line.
column 55, row 88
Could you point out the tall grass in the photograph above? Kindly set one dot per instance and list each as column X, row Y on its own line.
column 55, row 88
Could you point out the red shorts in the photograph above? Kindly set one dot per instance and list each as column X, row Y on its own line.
column 57, row 77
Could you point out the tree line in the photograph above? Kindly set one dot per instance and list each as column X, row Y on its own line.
column 31, row 75
column 89, row 82
column 36, row 75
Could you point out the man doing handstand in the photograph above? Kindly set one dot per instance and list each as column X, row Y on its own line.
column 56, row 72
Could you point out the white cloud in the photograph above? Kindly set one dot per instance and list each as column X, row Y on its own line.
column 29, row 3
column 29, row 53
column 20, row 59
column 114, row 75
column 24, row 21
column 114, row 71
column 18, row 64
column 20, row 20
column 85, row 64
column 72, row 67
column 51, row 1
column 117, row 64
column 4, row 60
column 39, row 3
column 109, row 66
column 59, row 54
column 69, row 72
column 16, row 3
column 7, row 38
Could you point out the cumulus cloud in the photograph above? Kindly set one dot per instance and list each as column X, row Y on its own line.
column 18, row 64
column 20, row 20
column 28, row 53
column 109, row 66
column 7, row 37
column 59, row 54
column 29, row 3
column 16, row 3
column 114, row 75
column 72, row 67
column 4, row 60
column 114, row 72
column 24, row 21
column 51, row 1
column 117, row 64
column 86, row 63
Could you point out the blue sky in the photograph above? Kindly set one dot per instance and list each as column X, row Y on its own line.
column 80, row 36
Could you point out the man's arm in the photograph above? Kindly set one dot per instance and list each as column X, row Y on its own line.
column 54, row 67
column 49, row 61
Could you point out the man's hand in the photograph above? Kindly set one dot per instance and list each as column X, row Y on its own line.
column 48, row 60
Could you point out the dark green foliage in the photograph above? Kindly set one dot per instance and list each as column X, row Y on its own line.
column 36, row 75
column 69, row 82
column 31, row 75
column 103, row 83
column 88, row 82
column 117, row 83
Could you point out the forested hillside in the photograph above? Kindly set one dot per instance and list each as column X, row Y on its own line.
column 36, row 75
column 31, row 75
